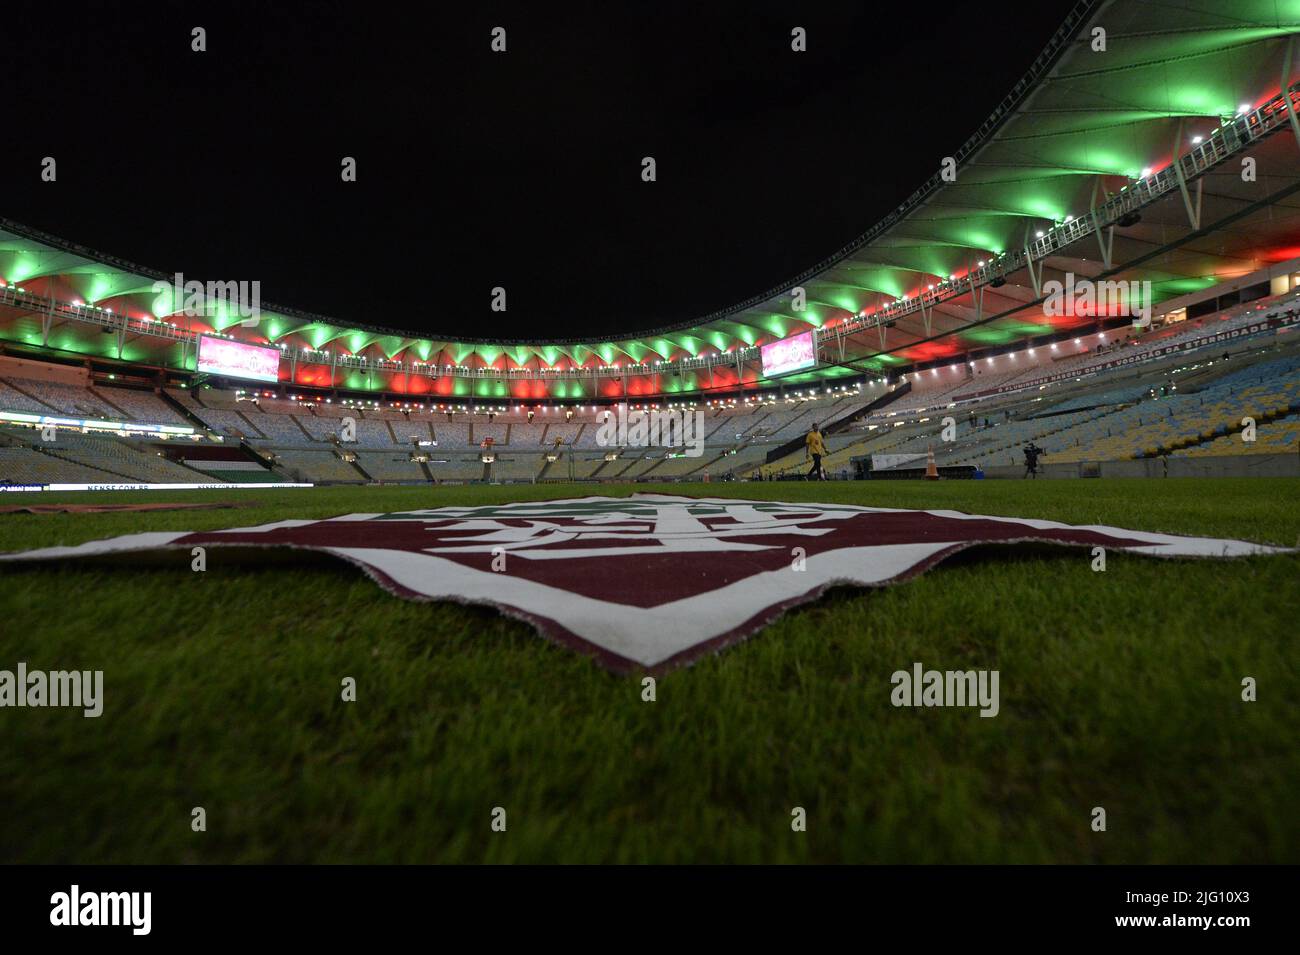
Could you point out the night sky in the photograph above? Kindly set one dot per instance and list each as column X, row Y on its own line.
column 478, row 169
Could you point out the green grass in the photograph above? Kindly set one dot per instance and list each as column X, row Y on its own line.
column 1119, row 689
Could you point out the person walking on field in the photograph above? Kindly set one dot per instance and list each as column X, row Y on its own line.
column 815, row 448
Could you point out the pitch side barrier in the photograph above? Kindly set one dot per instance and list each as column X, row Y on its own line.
column 127, row 486
column 1218, row 466
column 863, row 471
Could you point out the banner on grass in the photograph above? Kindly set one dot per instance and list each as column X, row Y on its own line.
column 651, row 580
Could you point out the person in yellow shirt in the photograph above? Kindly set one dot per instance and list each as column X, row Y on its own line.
column 815, row 448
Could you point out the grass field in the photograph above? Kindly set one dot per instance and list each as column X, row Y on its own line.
column 1119, row 689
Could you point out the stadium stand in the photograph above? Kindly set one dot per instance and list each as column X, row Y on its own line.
column 517, row 467
column 452, row 434
column 235, row 472
column 222, row 421
column 105, row 457
column 11, row 399
column 22, row 465
column 568, row 434
column 380, row 414
column 328, row 430
column 66, row 399
column 459, row 468
column 406, row 430
column 281, row 430
column 1155, row 402
column 141, row 406
column 1159, row 423
column 119, row 457
column 526, row 436
column 1173, row 407
column 482, row 430
column 317, row 467
column 1274, row 437
column 391, row 466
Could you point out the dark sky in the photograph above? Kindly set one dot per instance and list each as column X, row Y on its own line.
column 477, row 169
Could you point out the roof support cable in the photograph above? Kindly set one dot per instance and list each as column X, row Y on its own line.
column 1035, row 275
column 1193, row 212
column 1286, row 85
column 1105, row 242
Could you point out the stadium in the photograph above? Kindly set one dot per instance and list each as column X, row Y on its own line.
column 1106, row 273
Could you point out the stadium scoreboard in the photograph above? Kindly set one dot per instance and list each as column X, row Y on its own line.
column 232, row 359
column 789, row 354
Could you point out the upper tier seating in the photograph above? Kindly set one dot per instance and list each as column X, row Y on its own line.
column 142, row 406
column 11, row 399
column 390, row 466
column 67, row 399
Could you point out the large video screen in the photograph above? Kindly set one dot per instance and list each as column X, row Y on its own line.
column 220, row 356
column 789, row 354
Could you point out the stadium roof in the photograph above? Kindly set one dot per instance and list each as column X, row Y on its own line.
column 1096, row 115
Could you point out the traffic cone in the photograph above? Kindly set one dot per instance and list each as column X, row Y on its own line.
column 931, row 472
